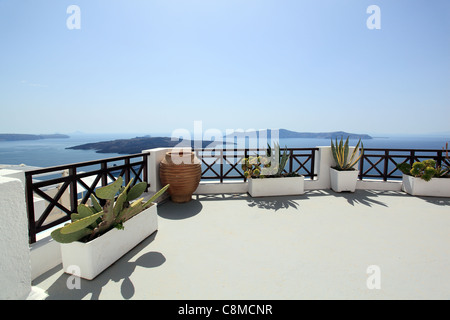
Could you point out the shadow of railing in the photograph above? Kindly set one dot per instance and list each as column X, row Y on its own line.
column 359, row 197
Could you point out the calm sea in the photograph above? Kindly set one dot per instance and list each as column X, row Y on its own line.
column 52, row 152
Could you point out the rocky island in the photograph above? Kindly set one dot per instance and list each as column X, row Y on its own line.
column 136, row 145
column 286, row 134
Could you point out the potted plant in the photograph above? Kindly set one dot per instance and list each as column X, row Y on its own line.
column 343, row 175
column 425, row 178
column 101, row 233
column 266, row 178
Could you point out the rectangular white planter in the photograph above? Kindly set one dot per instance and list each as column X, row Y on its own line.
column 436, row 187
column 91, row 258
column 343, row 180
column 283, row 186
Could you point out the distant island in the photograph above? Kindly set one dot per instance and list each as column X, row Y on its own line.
column 19, row 137
column 287, row 134
column 136, row 145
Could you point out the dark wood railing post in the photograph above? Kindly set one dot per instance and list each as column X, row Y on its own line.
column 412, row 157
column 386, row 163
column 127, row 171
column 361, row 165
column 439, row 158
column 30, row 208
column 313, row 163
column 291, row 160
column 221, row 163
column 103, row 167
column 245, row 157
column 73, row 189
column 145, row 171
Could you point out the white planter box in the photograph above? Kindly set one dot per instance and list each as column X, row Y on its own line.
column 283, row 186
column 436, row 187
column 343, row 180
column 93, row 257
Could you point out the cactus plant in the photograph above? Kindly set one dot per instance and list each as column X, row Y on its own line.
column 92, row 221
column 340, row 154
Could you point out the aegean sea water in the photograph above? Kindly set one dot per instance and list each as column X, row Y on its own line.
column 53, row 152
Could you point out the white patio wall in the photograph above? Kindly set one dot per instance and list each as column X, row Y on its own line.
column 15, row 269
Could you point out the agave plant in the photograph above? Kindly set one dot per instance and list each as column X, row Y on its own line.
column 282, row 158
column 340, row 154
column 94, row 220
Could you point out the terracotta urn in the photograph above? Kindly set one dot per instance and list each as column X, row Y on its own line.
column 183, row 172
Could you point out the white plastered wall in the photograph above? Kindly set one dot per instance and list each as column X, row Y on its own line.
column 15, row 269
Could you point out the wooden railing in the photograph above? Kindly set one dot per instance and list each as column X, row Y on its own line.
column 382, row 163
column 223, row 165
column 62, row 188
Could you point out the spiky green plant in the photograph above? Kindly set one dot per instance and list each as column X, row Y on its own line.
column 94, row 220
column 282, row 158
column 340, row 153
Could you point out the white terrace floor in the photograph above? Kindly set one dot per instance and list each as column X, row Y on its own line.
column 315, row 246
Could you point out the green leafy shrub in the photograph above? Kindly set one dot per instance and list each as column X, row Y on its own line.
column 425, row 170
column 267, row 166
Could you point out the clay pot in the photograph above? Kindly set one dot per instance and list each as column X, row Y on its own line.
column 183, row 172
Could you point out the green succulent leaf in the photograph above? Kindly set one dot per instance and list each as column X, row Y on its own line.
column 81, row 223
column 83, row 211
column 109, row 191
column 121, row 199
column 136, row 191
column 71, row 237
column 96, row 204
column 156, row 196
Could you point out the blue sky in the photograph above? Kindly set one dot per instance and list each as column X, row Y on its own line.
column 158, row 65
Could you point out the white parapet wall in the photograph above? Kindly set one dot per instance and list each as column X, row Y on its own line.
column 45, row 253
column 215, row 187
column 15, row 269
column 156, row 156
column 324, row 160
